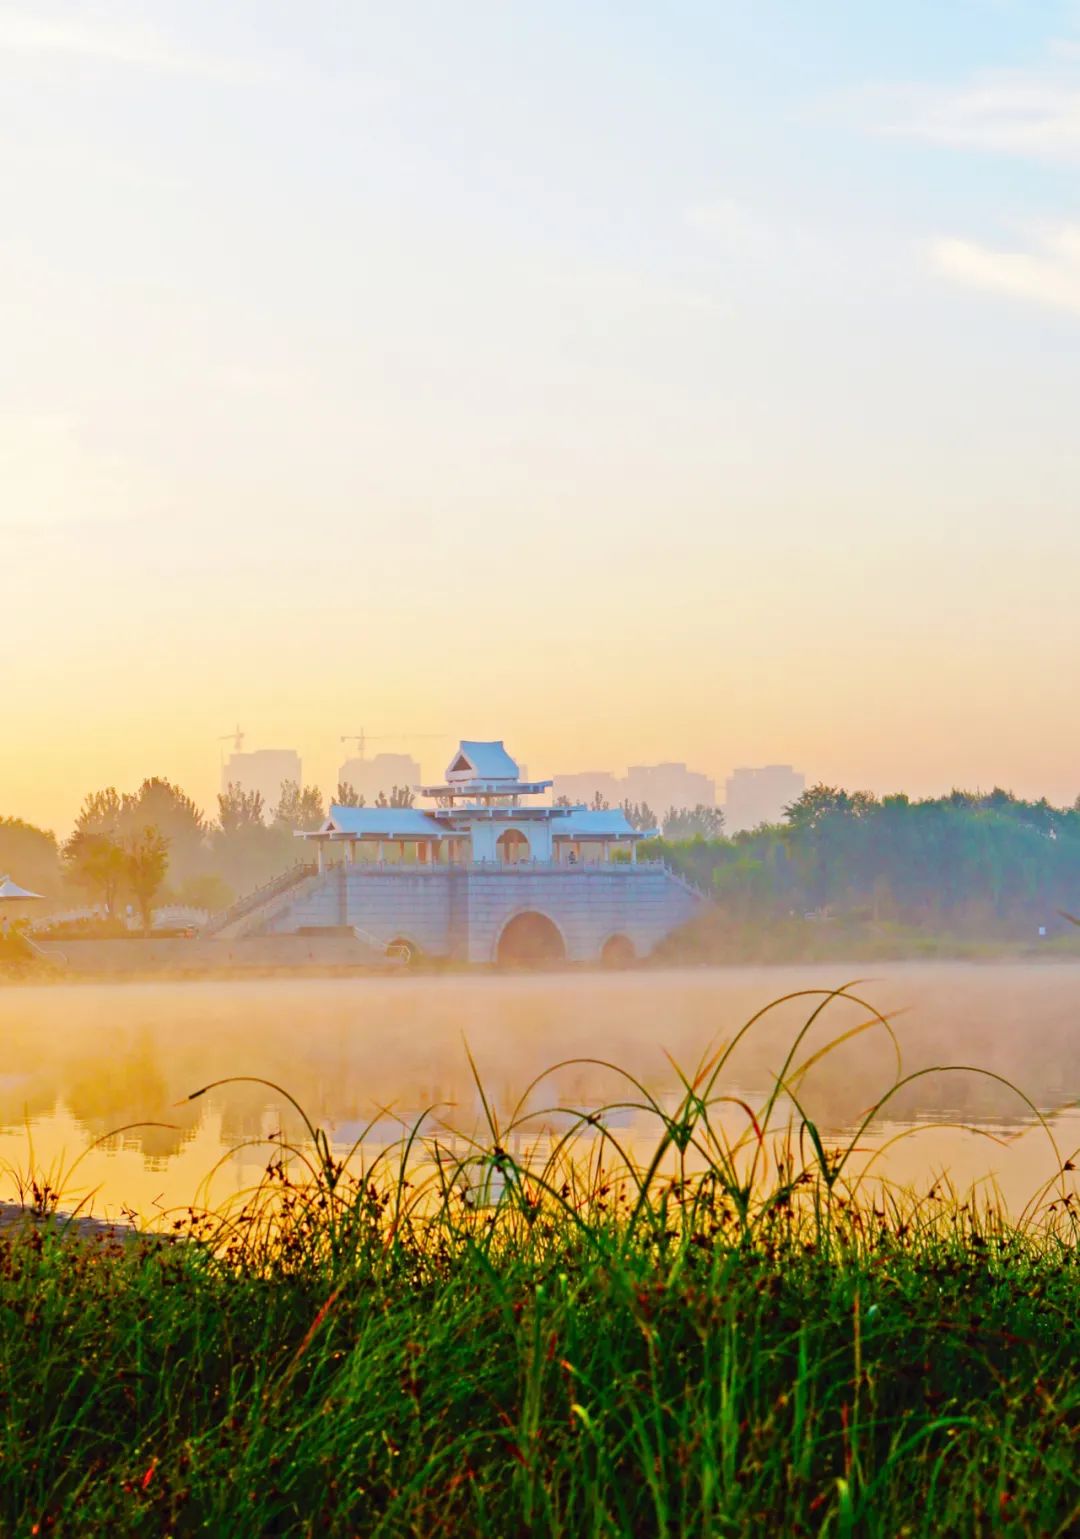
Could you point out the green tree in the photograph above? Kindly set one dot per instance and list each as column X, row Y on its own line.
column 299, row 808
column 400, row 796
column 210, row 892
column 246, row 850
column 146, row 860
column 92, row 855
column 240, row 810
column 700, row 822
column 640, row 816
column 95, row 861
column 348, row 796
column 161, row 805
column 30, row 855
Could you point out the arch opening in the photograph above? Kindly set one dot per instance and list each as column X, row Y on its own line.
column 530, row 940
column 618, row 951
column 512, row 847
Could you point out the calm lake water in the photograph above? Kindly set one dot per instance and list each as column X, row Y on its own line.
column 81, row 1062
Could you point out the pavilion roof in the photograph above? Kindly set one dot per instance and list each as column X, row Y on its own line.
column 486, row 761
column 382, row 823
column 612, row 823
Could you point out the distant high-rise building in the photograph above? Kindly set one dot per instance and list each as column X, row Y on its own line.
column 756, row 796
column 667, row 786
column 264, row 771
column 661, row 786
column 381, row 773
column 587, row 785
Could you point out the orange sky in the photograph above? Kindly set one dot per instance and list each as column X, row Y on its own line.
column 726, row 415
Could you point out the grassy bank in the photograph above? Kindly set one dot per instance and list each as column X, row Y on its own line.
column 737, row 1336
column 717, row 937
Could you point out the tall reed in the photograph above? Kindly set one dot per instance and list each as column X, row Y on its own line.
column 537, row 1329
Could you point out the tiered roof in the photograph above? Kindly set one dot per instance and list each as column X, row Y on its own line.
column 481, row 783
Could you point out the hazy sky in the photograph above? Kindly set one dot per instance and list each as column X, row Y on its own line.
column 629, row 381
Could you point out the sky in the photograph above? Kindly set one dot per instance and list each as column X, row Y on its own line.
column 628, row 381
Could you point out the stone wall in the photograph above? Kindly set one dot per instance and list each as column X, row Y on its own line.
column 462, row 913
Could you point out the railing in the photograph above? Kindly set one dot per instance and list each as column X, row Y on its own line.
column 283, row 884
column 67, row 916
column 395, row 950
column 507, row 868
column 39, row 951
column 683, row 881
column 261, row 895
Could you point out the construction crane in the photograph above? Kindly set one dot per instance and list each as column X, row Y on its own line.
column 362, row 738
column 237, row 738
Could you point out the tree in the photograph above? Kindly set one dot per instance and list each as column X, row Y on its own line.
column 30, row 855
column 146, row 859
column 700, row 822
column 161, row 805
column 400, row 796
column 210, row 892
column 92, row 854
column 348, row 796
column 95, row 861
column 299, row 808
column 248, row 851
column 100, row 813
column 239, row 810
column 641, row 816
column 599, row 802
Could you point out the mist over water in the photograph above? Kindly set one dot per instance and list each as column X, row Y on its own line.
column 82, row 1061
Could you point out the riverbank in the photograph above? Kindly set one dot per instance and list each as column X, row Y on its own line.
column 554, row 1364
column 718, row 939
column 740, row 1326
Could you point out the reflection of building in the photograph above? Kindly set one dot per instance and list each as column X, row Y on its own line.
column 382, row 773
column 756, row 796
column 262, row 771
column 662, row 786
column 485, row 874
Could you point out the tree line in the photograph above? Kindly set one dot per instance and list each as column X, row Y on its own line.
column 963, row 859
column 155, row 845
column 677, row 822
column 966, row 858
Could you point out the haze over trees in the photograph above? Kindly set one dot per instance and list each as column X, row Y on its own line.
column 299, row 807
column 967, row 862
column 31, row 855
column 122, row 845
column 963, row 861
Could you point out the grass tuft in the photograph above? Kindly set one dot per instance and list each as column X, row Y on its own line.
column 534, row 1331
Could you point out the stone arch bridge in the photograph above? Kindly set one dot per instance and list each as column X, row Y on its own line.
column 484, row 913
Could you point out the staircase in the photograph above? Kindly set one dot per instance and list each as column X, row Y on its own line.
column 691, row 887
column 263, row 903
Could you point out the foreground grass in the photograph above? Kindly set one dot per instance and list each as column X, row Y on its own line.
column 733, row 1339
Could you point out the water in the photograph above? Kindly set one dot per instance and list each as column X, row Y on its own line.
column 81, row 1063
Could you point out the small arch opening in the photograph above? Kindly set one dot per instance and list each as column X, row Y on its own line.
column 530, row 940
column 402, row 949
column 512, row 847
column 618, row 951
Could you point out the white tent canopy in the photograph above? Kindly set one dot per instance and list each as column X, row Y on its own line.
column 11, row 892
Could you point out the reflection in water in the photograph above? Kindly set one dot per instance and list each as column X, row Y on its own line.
column 80, row 1061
